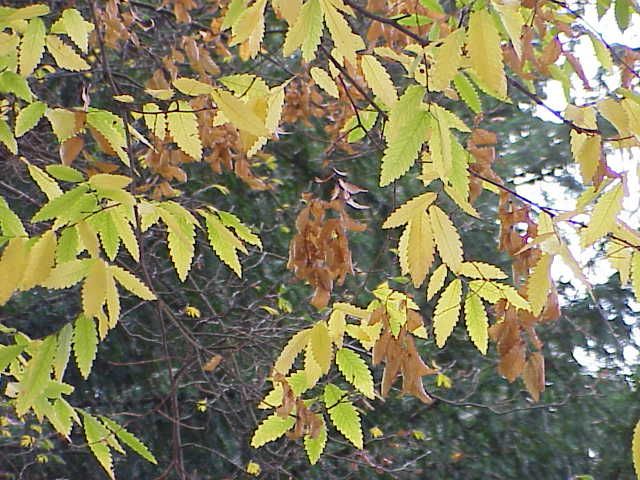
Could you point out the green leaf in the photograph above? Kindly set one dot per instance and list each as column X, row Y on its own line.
column 272, row 428
column 36, row 374
column 343, row 414
column 407, row 130
column 85, row 344
column 97, row 438
column 129, row 440
column 183, row 127
column 315, row 445
column 355, row 370
column 131, row 283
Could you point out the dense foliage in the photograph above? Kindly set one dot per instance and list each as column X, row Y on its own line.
column 292, row 239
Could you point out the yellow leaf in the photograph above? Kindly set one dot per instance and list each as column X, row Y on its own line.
column 288, row 9
column 253, row 468
column 64, row 55
column 447, row 238
column 94, row 289
column 512, row 20
column 320, row 346
column 447, row 311
column 12, row 263
column 324, row 81
column 485, row 53
column 447, row 60
column 40, row 261
column 183, row 127
column 635, row 448
column 603, row 216
column 481, row 270
column 112, row 298
column 619, row 256
column 403, row 213
column 635, row 274
column 337, row 324
column 249, row 27
column 294, row 346
column 539, row 284
column 192, row 87
column 239, row 114
column 436, row 281
column 420, row 247
column 346, row 42
column 155, row 119
column 378, row 80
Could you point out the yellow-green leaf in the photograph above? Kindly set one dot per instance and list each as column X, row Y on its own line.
column 272, row 428
column 378, row 79
column 343, row 414
column 305, row 32
column 447, row 311
column 85, row 343
column 447, row 59
column 447, row 238
column 324, row 81
column 131, row 283
column 32, row 46
column 36, row 374
column 315, row 445
column 603, row 217
column 355, row 370
column 183, row 127
column 477, row 322
column 97, row 438
column 406, row 131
